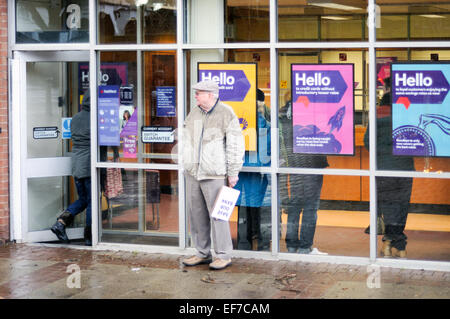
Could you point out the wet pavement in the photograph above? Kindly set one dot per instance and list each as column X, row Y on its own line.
column 43, row 271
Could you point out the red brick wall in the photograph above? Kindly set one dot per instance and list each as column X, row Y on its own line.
column 4, row 145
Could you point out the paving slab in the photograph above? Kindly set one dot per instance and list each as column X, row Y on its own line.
column 46, row 272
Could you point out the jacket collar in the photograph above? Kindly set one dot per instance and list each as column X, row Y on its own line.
column 217, row 101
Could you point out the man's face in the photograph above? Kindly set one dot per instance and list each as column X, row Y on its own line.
column 203, row 98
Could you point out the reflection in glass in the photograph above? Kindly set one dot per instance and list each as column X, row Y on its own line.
column 145, row 212
column 254, row 202
column 318, row 20
column 385, row 159
column 119, row 22
column 160, row 102
column 146, row 133
column 416, row 20
column 227, row 21
column 360, row 159
column 47, row 198
column 322, row 214
column 259, row 56
column 49, row 21
column 416, row 218
column 246, row 21
column 160, row 21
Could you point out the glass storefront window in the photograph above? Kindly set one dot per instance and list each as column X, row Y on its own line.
column 259, row 83
column 416, row 20
column 145, row 212
column 415, row 216
column 251, row 222
column 318, row 216
column 142, row 133
column 316, row 123
column 319, row 20
column 418, row 114
column 49, row 21
column 227, row 21
column 137, row 21
column 46, row 197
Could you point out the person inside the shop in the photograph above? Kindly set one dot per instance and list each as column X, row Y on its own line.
column 393, row 193
column 213, row 153
column 301, row 191
column 254, row 208
column 81, row 171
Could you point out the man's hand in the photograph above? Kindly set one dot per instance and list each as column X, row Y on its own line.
column 232, row 180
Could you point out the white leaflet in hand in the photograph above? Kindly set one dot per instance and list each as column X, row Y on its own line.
column 225, row 202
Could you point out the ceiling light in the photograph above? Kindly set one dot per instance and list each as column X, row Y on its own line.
column 335, row 18
column 157, row 6
column 331, row 5
column 141, row 2
column 432, row 16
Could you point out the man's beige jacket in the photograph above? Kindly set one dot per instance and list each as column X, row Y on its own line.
column 213, row 143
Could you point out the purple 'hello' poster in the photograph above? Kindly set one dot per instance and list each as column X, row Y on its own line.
column 323, row 107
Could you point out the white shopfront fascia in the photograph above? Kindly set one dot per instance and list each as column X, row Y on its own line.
column 216, row 46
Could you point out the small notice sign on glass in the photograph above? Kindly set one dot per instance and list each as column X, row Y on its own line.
column 40, row 133
column 157, row 134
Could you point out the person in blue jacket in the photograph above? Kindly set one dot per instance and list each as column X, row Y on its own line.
column 254, row 207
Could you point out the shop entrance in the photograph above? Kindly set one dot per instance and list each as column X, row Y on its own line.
column 46, row 95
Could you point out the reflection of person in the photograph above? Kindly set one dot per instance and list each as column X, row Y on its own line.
column 393, row 193
column 263, row 109
column 304, row 190
column 213, row 150
column 81, row 171
column 126, row 116
column 254, row 221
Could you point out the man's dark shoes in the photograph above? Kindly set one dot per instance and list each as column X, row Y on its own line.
column 59, row 229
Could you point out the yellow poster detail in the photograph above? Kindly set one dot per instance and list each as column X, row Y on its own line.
column 237, row 84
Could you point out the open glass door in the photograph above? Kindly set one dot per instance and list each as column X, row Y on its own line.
column 51, row 89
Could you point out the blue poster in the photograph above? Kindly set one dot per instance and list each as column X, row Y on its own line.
column 421, row 109
column 165, row 101
column 108, row 115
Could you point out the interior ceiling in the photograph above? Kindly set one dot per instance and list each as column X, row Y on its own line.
column 306, row 7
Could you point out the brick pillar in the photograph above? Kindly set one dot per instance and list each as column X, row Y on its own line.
column 4, row 141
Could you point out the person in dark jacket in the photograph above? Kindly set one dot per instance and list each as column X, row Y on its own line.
column 393, row 193
column 81, row 171
column 304, row 190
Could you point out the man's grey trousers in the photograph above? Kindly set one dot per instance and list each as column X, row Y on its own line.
column 200, row 198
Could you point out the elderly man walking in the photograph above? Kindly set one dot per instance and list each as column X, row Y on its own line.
column 213, row 150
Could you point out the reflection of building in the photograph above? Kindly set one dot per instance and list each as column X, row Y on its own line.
column 161, row 45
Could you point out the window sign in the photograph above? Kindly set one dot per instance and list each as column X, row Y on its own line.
column 65, row 124
column 128, row 130
column 237, row 88
column 110, row 74
column 165, row 101
column 157, row 134
column 49, row 132
column 421, row 109
column 126, row 95
column 108, row 116
column 323, row 106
